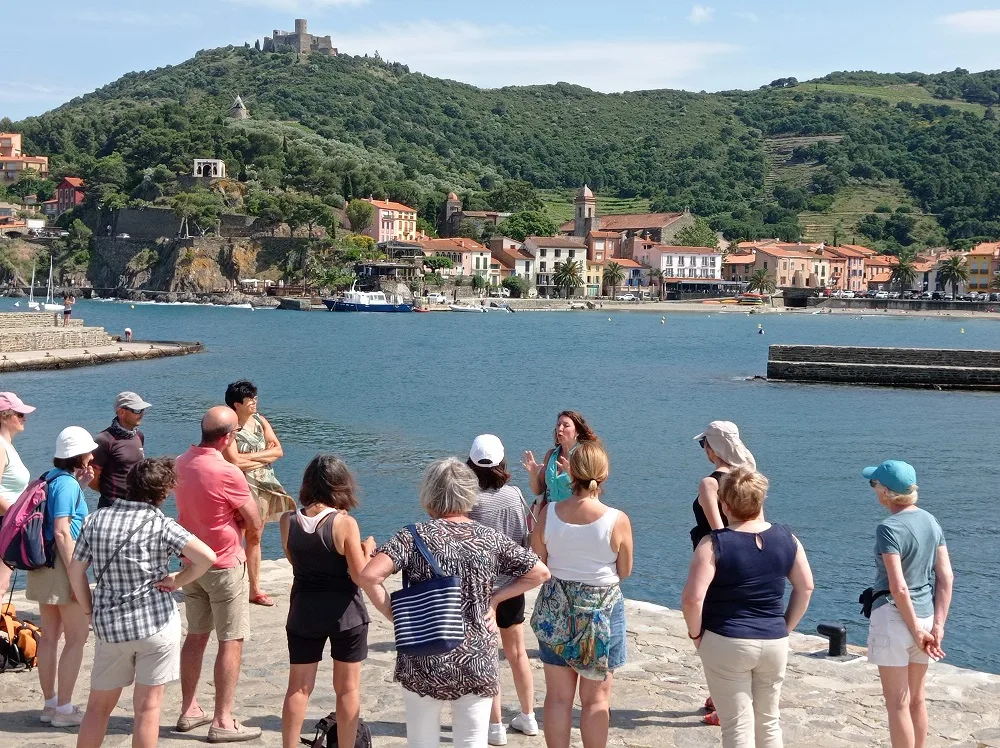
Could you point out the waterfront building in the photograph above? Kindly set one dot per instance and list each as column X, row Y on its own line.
column 14, row 165
column 878, row 272
column 679, row 262
column 838, row 269
column 455, row 215
column 738, row 267
column 392, row 221
column 852, row 270
column 794, row 265
column 595, row 277
column 468, row 257
column 603, row 245
column 549, row 251
column 69, row 194
column 984, row 263
column 512, row 254
column 659, row 227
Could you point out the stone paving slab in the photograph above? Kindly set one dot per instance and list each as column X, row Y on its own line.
column 65, row 358
column 655, row 702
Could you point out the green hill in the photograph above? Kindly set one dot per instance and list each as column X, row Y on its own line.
column 342, row 127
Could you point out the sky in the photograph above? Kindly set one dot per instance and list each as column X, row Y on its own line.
column 620, row 45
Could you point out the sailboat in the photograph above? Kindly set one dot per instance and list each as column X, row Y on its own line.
column 50, row 305
column 32, row 304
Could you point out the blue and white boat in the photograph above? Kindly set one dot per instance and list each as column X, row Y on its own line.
column 367, row 301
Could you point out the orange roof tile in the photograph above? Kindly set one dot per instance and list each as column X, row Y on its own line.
column 880, row 278
column 557, row 242
column 883, row 261
column 73, row 181
column 626, row 263
column 451, row 245
column 986, row 249
column 389, row 205
column 739, row 259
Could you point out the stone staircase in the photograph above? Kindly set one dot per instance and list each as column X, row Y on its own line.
column 36, row 331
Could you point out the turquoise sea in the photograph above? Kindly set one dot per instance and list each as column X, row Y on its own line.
column 391, row 392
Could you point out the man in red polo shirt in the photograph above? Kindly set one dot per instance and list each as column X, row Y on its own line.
column 214, row 503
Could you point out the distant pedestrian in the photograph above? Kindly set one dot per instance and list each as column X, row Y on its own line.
column 913, row 584
column 120, row 446
column 501, row 506
column 466, row 678
column 734, row 607
column 69, row 300
column 323, row 544
column 214, row 503
column 14, row 476
column 579, row 615
column 550, row 478
column 136, row 621
column 253, row 451
column 128, row 334
column 65, row 511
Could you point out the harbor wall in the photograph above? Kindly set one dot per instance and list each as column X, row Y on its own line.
column 892, row 367
column 55, row 338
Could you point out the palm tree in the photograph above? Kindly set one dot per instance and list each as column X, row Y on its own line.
column 761, row 281
column 904, row 272
column 656, row 277
column 567, row 276
column 613, row 275
column 954, row 271
column 995, row 283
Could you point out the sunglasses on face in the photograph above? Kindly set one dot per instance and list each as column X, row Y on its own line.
column 702, row 442
column 872, row 483
column 134, row 412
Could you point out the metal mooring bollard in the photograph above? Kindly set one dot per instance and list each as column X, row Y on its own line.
column 837, row 634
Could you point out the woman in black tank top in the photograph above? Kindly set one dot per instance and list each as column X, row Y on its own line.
column 323, row 544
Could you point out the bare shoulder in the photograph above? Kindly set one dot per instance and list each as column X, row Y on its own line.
column 708, row 484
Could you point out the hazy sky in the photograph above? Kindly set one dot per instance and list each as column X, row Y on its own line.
column 64, row 48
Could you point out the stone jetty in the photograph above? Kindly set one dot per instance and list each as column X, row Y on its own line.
column 32, row 341
column 655, row 704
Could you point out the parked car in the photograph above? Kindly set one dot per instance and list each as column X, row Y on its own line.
column 909, row 294
column 881, row 294
column 123, row 235
column 937, row 296
column 949, row 297
column 995, row 297
column 894, row 294
column 926, row 295
column 847, row 294
column 625, row 297
column 436, row 298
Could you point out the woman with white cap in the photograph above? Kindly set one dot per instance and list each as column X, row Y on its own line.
column 909, row 602
column 501, row 506
column 726, row 451
column 65, row 510
column 14, row 476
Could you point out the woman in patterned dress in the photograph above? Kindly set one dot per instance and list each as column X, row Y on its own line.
column 468, row 677
column 253, row 451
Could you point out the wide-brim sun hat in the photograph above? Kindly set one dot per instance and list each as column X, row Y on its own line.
column 10, row 401
column 896, row 475
column 724, row 439
column 74, row 441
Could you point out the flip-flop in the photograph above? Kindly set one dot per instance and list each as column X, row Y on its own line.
column 712, row 718
column 187, row 724
column 237, row 734
column 262, row 599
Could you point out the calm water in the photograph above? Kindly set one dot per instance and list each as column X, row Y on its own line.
column 391, row 392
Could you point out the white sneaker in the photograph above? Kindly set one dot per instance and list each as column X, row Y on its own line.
column 47, row 714
column 73, row 719
column 525, row 723
column 498, row 734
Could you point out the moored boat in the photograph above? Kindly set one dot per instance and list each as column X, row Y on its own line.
column 366, row 301
column 467, row 308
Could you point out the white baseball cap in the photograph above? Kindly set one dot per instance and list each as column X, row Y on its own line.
column 487, row 451
column 74, row 441
column 724, row 439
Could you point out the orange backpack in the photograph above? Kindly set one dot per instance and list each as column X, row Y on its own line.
column 18, row 641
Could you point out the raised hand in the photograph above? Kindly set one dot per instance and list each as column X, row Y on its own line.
column 563, row 464
column 530, row 464
column 167, row 584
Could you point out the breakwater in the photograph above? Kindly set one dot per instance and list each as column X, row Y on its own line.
column 938, row 368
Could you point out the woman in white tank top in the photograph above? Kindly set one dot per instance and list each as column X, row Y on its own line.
column 14, row 476
column 579, row 615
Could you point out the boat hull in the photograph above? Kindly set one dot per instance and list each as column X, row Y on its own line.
column 338, row 305
column 460, row 308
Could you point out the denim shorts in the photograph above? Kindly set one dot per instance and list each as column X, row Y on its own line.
column 616, row 655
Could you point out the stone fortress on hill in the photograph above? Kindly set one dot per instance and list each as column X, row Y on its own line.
column 300, row 41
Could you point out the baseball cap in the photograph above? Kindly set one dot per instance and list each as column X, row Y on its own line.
column 487, row 451
column 896, row 475
column 131, row 401
column 724, row 439
column 10, row 401
column 74, row 441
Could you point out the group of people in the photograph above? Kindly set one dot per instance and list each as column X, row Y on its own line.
column 479, row 527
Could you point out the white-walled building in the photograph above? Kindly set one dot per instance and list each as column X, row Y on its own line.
column 549, row 251
column 685, row 263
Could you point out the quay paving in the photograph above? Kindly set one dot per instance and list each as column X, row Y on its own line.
column 65, row 358
column 655, row 702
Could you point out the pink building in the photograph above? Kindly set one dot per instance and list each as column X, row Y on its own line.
column 392, row 221
column 469, row 257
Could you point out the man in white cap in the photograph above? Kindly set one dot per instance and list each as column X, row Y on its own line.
column 120, row 446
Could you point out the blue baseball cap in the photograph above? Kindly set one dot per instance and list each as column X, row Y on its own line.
column 896, row 475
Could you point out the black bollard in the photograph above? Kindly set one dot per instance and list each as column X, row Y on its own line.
column 837, row 634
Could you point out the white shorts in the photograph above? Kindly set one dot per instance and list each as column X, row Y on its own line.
column 153, row 661
column 890, row 643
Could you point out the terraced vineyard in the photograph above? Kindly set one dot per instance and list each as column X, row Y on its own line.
column 781, row 166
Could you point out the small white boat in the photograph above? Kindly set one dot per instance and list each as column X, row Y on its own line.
column 32, row 304
column 467, row 308
column 366, row 301
column 50, row 305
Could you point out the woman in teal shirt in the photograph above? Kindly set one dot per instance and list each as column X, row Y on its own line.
column 65, row 510
column 550, row 478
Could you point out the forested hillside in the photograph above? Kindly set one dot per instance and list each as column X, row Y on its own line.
column 350, row 126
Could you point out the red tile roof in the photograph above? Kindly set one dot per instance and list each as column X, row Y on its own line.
column 557, row 242
column 72, row 181
column 451, row 245
column 986, row 249
column 668, row 249
column 880, row 278
column 389, row 205
column 626, row 263
column 881, row 261
column 739, row 259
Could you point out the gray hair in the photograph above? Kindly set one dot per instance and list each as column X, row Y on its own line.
column 449, row 487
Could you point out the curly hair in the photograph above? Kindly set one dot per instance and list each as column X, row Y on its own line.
column 150, row 481
column 583, row 431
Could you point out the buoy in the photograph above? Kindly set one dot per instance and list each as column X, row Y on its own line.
column 662, row 321
column 963, row 331
column 132, row 307
column 609, row 319
column 760, row 326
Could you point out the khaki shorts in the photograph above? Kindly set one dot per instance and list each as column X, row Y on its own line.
column 219, row 601
column 153, row 661
column 890, row 643
column 50, row 586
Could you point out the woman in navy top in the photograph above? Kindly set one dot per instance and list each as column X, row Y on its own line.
column 734, row 608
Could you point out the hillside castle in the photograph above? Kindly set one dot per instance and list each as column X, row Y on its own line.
column 300, row 41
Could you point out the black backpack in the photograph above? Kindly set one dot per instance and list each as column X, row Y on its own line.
column 326, row 734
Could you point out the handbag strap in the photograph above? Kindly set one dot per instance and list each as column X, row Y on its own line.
column 425, row 552
column 121, row 545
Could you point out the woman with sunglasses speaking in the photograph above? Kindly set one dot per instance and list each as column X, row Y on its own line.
column 726, row 451
column 14, row 476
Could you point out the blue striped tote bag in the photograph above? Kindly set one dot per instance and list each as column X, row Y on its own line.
column 427, row 616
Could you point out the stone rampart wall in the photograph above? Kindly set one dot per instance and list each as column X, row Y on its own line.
column 27, row 339
column 19, row 320
column 898, row 356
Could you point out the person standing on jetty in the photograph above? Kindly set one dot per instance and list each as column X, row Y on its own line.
column 725, row 450
column 120, row 446
column 253, row 451
column 733, row 604
column 323, row 544
column 550, row 478
column 65, row 511
column 135, row 619
column 579, row 615
column 467, row 677
column 14, row 476
column 501, row 506
column 214, row 503
column 910, row 608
